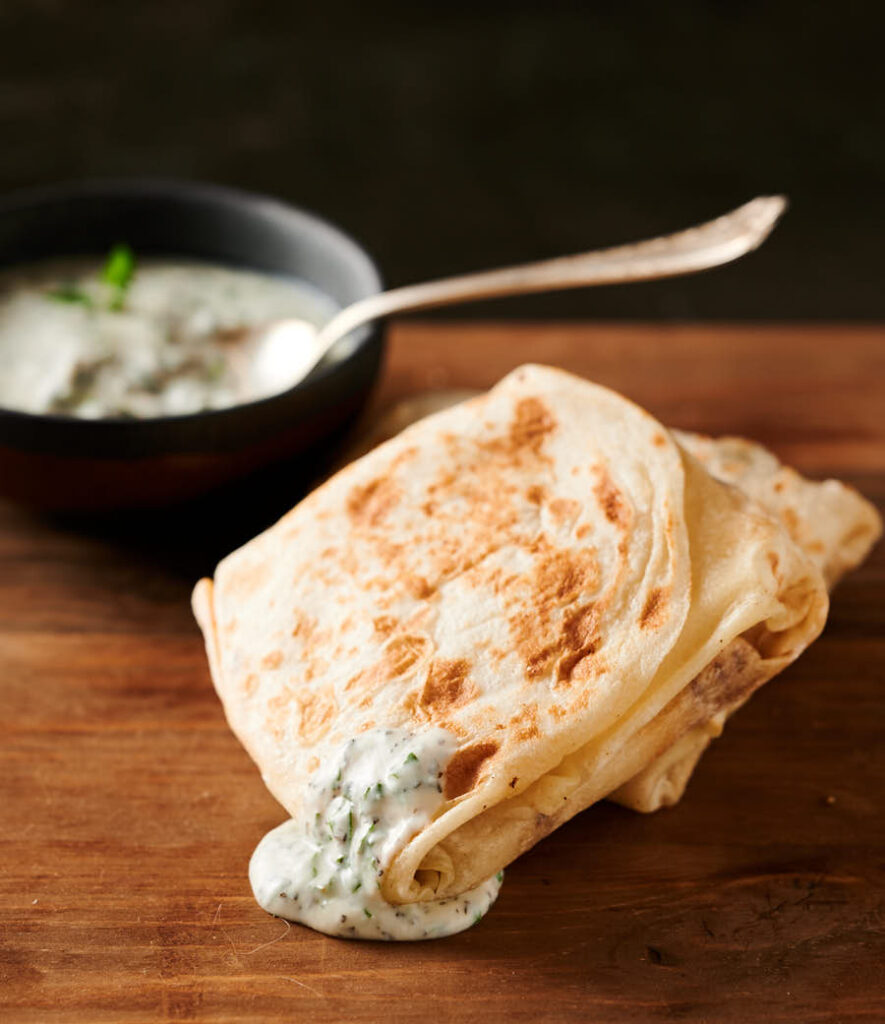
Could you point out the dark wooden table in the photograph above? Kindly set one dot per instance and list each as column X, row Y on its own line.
column 128, row 811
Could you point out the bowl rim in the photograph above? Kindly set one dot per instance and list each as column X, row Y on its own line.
column 192, row 189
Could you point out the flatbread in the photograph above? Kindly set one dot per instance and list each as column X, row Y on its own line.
column 543, row 571
column 834, row 525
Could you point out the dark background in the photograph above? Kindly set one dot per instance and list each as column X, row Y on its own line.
column 450, row 137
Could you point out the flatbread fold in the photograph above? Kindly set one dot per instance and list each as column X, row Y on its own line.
column 545, row 572
column 834, row 525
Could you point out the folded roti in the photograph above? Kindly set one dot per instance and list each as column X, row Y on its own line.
column 544, row 573
column 834, row 525
column 836, row 528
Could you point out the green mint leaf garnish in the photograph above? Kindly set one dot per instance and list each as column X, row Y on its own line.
column 367, row 912
column 70, row 293
column 411, row 757
column 500, row 876
column 119, row 266
column 117, row 272
column 357, row 887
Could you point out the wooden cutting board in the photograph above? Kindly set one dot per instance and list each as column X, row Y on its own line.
column 128, row 811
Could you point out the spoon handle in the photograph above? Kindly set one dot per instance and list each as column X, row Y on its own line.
column 707, row 245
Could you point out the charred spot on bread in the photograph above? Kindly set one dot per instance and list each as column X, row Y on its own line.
column 654, row 612
column 464, row 769
column 610, row 499
column 446, row 685
column 368, row 504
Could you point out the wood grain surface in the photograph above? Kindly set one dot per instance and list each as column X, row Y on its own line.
column 128, row 811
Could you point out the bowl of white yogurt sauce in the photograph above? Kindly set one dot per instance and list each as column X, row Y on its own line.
column 121, row 381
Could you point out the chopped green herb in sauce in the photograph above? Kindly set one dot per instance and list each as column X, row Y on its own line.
column 330, row 877
column 117, row 272
column 70, row 293
column 120, row 266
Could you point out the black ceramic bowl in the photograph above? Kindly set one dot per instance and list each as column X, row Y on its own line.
column 68, row 463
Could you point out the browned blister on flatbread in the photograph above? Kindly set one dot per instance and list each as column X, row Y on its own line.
column 541, row 571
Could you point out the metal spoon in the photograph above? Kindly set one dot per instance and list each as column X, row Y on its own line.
column 281, row 353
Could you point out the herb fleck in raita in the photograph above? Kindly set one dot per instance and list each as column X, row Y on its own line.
column 325, row 867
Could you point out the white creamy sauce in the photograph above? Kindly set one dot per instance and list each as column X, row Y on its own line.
column 324, row 868
column 72, row 344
